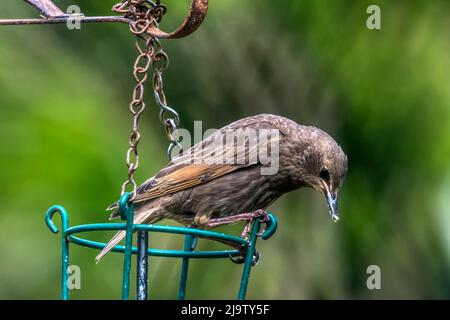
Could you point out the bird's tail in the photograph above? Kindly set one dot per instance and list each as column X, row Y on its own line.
column 140, row 218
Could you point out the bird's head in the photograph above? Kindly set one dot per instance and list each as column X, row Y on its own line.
column 321, row 165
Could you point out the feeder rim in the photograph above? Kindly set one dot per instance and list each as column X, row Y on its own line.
column 233, row 241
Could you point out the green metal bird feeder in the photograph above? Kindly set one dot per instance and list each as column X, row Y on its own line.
column 240, row 247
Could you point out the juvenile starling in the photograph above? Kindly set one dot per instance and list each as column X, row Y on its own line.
column 221, row 181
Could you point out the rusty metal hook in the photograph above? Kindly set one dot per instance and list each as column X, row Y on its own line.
column 52, row 14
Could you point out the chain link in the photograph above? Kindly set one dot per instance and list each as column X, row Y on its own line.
column 168, row 117
column 143, row 14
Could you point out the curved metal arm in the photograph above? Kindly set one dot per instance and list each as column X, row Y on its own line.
column 52, row 14
column 196, row 15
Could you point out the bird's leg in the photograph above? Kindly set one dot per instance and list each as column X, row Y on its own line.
column 247, row 216
column 246, row 230
column 258, row 214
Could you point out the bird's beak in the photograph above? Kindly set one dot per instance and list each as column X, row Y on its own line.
column 332, row 200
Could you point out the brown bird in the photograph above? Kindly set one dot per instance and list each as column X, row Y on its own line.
column 222, row 180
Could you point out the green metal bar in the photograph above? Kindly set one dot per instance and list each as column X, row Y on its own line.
column 158, row 252
column 65, row 269
column 127, row 208
column 142, row 266
column 193, row 232
column 189, row 246
column 249, row 260
column 64, row 245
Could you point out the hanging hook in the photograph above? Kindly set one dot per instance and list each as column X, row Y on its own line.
column 52, row 14
column 196, row 15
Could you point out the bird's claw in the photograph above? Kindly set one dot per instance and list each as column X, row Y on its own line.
column 266, row 221
column 262, row 216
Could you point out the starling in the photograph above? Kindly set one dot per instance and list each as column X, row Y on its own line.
column 222, row 180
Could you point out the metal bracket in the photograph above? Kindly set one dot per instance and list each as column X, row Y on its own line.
column 52, row 14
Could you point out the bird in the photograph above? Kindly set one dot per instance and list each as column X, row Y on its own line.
column 219, row 181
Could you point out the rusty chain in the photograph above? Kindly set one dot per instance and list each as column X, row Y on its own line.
column 143, row 14
column 167, row 115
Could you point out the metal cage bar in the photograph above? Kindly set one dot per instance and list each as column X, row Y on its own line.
column 249, row 260
column 142, row 266
column 126, row 210
column 189, row 246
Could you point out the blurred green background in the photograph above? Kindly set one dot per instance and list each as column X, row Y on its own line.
column 384, row 95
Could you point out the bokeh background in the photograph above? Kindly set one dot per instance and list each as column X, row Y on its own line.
column 384, row 95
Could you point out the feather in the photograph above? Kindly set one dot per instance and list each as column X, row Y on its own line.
column 143, row 216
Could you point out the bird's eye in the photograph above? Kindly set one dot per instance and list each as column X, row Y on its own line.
column 325, row 175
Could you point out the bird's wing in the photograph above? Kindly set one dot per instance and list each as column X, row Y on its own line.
column 183, row 178
column 207, row 161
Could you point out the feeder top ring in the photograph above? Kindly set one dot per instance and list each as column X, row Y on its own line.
column 235, row 242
